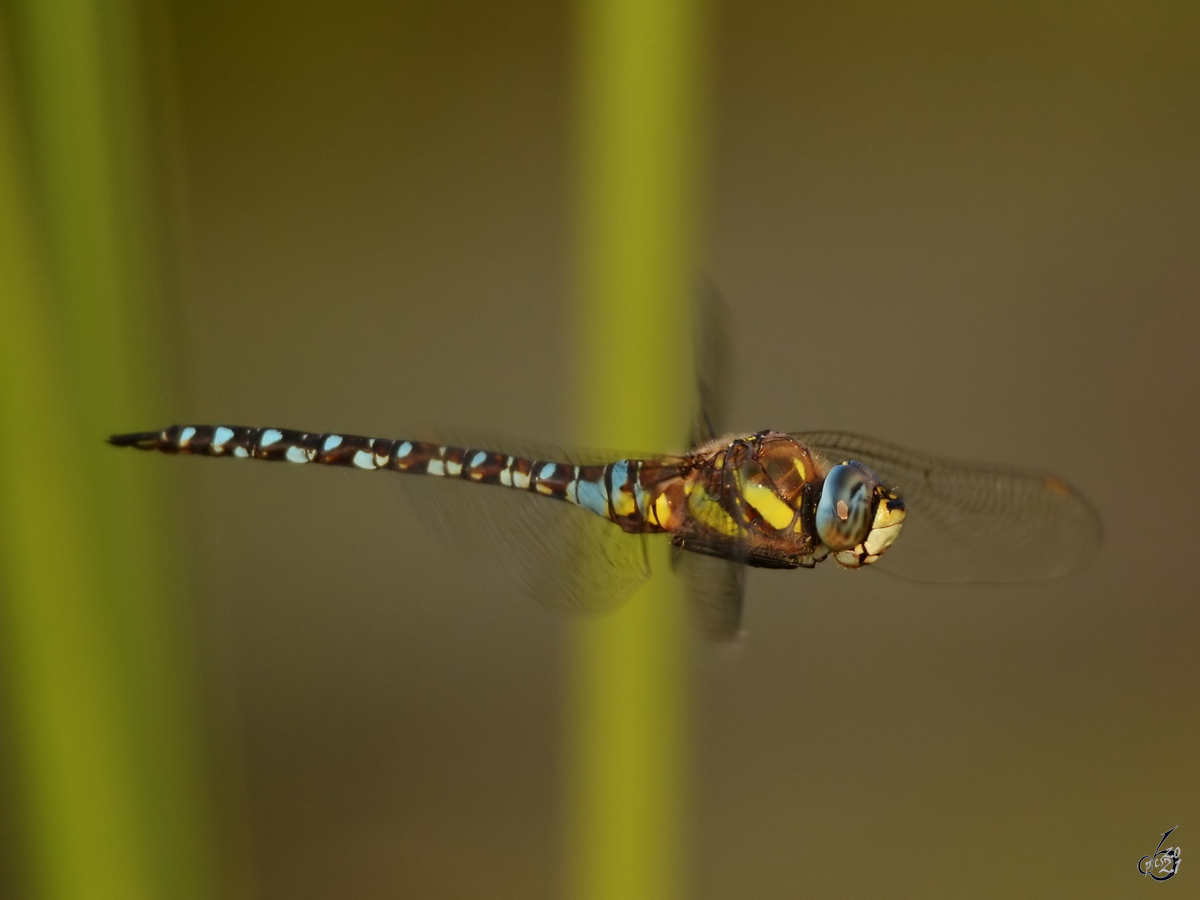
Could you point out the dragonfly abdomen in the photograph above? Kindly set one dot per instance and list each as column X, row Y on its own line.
column 284, row 445
column 626, row 491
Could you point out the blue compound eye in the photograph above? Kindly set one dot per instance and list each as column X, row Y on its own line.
column 846, row 507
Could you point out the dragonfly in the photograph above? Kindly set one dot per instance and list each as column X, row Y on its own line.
column 767, row 499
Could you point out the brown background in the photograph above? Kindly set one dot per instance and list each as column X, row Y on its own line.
column 969, row 228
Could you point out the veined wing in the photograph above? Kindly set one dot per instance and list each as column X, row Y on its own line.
column 565, row 557
column 968, row 522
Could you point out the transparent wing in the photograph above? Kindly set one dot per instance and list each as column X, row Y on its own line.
column 566, row 558
column 973, row 523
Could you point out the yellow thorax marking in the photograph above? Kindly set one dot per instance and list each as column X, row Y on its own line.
column 799, row 464
column 777, row 513
column 708, row 512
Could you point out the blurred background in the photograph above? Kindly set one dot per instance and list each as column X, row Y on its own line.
column 972, row 229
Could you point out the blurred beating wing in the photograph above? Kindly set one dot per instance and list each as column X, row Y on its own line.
column 973, row 523
column 713, row 356
column 715, row 587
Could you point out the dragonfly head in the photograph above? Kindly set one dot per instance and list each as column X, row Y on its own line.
column 858, row 517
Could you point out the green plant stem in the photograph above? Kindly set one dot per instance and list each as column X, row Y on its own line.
column 639, row 87
column 107, row 757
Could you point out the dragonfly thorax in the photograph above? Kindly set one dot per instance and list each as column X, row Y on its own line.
column 768, row 500
column 753, row 498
